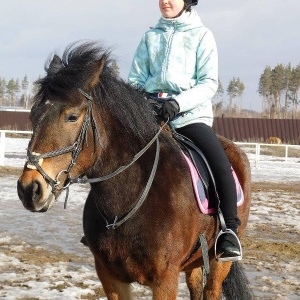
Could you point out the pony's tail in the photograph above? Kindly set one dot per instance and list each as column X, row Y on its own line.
column 236, row 286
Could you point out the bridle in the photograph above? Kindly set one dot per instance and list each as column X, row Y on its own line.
column 33, row 161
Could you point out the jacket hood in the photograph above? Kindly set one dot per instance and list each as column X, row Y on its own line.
column 186, row 21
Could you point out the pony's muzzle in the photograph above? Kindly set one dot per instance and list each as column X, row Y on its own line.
column 34, row 197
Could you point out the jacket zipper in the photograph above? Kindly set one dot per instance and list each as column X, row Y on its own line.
column 167, row 53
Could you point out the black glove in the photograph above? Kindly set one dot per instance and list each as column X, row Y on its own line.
column 168, row 110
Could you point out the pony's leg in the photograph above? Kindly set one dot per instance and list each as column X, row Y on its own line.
column 194, row 281
column 218, row 273
column 114, row 289
column 167, row 288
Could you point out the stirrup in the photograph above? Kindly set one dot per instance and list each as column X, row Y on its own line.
column 233, row 258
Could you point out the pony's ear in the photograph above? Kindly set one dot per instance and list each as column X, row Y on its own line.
column 55, row 65
column 98, row 68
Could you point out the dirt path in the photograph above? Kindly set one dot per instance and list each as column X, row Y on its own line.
column 271, row 248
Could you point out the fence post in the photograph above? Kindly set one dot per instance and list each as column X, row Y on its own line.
column 257, row 153
column 286, row 152
column 2, row 147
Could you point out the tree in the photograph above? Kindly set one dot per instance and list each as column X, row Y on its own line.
column 277, row 86
column 25, row 96
column 286, row 86
column 217, row 100
column 235, row 91
column 281, row 82
column 265, row 89
column 35, row 87
column 2, row 90
column 115, row 68
column 10, row 90
column 294, row 87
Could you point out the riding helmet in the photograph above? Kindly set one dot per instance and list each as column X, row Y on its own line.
column 191, row 2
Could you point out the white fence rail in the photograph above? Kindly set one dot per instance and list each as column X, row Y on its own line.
column 13, row 150
column 261, row 152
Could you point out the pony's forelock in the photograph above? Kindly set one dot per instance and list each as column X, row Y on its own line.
column 70, row 72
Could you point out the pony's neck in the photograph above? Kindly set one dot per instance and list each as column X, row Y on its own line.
column 119, row 194
column 119, row 150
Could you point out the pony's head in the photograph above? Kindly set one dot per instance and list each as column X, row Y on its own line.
column 62, row 121
column 71, row 120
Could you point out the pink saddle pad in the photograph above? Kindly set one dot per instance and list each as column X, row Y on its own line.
column 200, row 195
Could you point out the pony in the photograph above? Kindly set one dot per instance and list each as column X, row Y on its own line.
column 274, row 140
column 140, row 219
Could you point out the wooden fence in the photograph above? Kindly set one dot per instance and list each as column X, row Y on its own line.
column 236, row 129
column 15, row 120
column 258, row 130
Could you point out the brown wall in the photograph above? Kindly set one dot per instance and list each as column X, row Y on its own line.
column 14, row 120
column 259, row 130
column 236, row 129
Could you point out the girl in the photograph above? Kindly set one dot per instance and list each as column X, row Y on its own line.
column 177, row 61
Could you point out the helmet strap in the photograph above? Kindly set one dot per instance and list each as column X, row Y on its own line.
column 185, row 7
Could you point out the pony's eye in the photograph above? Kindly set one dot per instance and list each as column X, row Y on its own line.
column 71, row 118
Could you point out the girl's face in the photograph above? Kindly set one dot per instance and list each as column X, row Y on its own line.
column 171, row 8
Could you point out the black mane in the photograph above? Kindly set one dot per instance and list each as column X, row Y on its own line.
column 74, row 69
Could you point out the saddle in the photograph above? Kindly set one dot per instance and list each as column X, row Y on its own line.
column 204, row 186
column 206, row 194
column 202, row 176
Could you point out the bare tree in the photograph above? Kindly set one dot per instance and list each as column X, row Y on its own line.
column 217, row 100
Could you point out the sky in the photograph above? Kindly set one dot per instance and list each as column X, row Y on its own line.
column 250, row 34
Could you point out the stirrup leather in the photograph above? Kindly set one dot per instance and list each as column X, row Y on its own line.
column 234, row 258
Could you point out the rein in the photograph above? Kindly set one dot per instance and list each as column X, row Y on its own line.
column 122, row 168
column 34, row 162
column 120, row 220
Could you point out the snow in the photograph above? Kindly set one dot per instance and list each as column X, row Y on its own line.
column 60, row 230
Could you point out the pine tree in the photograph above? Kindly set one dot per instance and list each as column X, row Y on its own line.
column 11, row 91
column 294, row 89
column 115, row 68
column 265, row 89
column 2, row 90
column 280, row 82
column 277, row 87
column 25, row 96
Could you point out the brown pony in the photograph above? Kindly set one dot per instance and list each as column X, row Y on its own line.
column 141, row 220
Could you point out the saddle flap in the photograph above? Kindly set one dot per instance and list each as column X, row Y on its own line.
column 199, row 161
column 202, row 177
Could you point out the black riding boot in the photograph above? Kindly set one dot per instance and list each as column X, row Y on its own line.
column 229, row 246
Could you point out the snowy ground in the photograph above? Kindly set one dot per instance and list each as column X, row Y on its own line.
column 41, row 257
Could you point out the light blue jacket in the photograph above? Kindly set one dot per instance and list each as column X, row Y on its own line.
column 179, row 56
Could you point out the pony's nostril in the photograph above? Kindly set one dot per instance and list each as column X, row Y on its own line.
column 30, row 194
column 36, row 190
column 21, row 191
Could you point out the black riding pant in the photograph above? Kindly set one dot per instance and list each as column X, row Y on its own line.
column 206, row 140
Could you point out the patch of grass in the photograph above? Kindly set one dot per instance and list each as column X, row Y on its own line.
column 279, row 151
